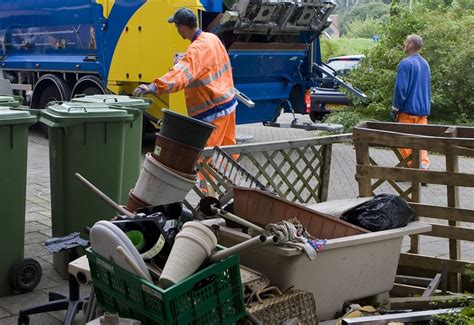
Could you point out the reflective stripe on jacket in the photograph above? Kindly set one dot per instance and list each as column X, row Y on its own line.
column 205, row 74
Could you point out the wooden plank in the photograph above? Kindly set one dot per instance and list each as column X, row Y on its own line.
column 431, row 139
column 444, row 213
column 415, row 197
column 451, row 232
column 427, row 303
column 432, row 263
column 430, row 129
column 422, row 176
column 452, row 165
column 432, row 286
column 405, row 290
column 363, row 158
column 397, row 140
column 413, row 280
column 324, row 173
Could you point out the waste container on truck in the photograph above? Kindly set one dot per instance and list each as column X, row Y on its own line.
column 15, row 271
column 133, row 134
column 84, row 138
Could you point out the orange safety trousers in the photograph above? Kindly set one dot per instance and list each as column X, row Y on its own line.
column 405, row 152
column 223, row 135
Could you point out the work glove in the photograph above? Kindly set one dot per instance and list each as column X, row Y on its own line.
column 393, row 115
column 145, row 89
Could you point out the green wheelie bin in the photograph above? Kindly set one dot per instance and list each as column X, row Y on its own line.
column 9, row 101
column 88, row 139
column 15, row 272
column 133, row 134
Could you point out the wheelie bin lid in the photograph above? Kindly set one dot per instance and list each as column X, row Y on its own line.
column 9, row 116
column 9, row 101
column 122, row 101
column 71, row 113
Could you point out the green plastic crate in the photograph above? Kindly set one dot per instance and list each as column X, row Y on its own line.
column 211, row 296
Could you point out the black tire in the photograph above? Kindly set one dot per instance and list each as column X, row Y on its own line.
column 25, row 275
column 316, row 116
column 92, row 91
column 49, row 95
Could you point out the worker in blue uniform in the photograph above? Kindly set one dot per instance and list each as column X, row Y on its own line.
column 412, row 93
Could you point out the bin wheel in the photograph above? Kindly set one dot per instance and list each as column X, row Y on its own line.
column 25, row 275
column 23, row 320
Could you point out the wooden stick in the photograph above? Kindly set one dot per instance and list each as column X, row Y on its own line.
column 104, row 197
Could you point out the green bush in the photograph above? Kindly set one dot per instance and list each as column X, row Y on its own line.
column 363, row 11
column 364, row 28
column 447, row 34
column 347, row 118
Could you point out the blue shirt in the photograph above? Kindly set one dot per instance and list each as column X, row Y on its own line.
column 412, row 94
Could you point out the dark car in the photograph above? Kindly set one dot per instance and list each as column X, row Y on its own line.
column 327, row 96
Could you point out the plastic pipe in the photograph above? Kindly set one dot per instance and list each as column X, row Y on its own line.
column 240, row 221
column 104, row 197
column 259, row 241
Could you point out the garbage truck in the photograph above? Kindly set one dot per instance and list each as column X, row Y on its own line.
column 53, row 50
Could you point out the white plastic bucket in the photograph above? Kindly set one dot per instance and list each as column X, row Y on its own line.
column 158, row 185
column 192, row 246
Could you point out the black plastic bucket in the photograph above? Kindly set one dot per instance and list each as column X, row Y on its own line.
column 186, row 130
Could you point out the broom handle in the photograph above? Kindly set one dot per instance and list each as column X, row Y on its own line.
column 104, row 197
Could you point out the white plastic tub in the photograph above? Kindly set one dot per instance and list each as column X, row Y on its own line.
column 349, row 268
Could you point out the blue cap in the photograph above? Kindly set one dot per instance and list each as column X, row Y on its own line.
column 183, row 16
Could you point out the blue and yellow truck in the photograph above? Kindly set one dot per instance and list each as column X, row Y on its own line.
column 52, row 50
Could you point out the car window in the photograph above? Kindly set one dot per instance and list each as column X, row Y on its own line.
column 343, row 66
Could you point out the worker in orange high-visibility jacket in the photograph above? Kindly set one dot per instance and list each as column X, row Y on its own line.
column 205, row 74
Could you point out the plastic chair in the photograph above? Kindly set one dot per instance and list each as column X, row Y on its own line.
column 73, row 302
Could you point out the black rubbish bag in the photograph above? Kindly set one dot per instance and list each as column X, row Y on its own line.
column 383, row 212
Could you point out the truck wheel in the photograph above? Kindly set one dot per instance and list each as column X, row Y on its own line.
column 49, row 88
column 88, row 85
column 316, row 116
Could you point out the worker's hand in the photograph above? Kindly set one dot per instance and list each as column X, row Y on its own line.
column 393, row 115
column 145, row 89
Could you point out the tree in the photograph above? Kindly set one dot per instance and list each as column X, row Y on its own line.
column 447, row 33
column 363, row 11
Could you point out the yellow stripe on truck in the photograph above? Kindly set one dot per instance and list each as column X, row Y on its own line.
column 146, row 50
column 107, row 6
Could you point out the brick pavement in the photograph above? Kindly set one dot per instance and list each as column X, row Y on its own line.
column 342, row 185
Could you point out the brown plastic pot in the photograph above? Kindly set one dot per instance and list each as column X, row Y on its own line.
column 134, row 203
column 191, row 176
column 176, row 155
column 185, row 129
column 263, row 208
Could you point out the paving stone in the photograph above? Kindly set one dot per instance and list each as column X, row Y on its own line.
column 13, row 304
column 49, row 283
column 46, row 232
column 35, row 226
column 45, row 221
column 36, row 216
column 3, row 314
column 35, row 238
column 35, row 250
